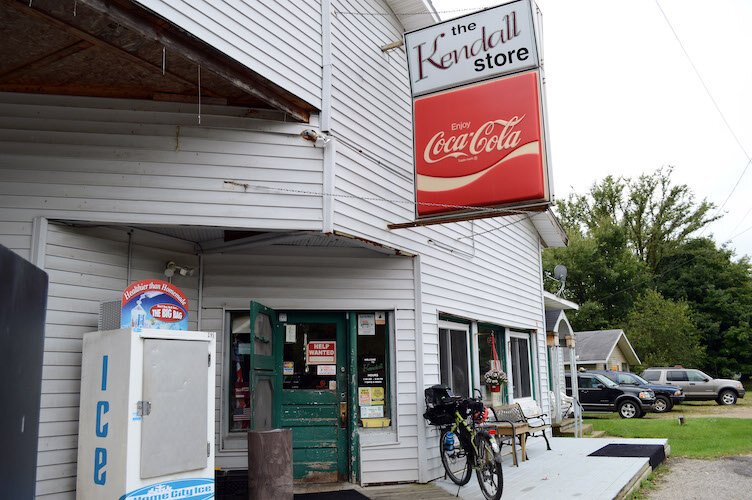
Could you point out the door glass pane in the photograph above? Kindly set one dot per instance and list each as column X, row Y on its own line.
column 263, row 400
column 239, row 395
column 521, row 367
column 444, row 358
column 460, row 372
column 695, row 377
column 314, row 370
column 585, row 382
column 372, row 367
column 262, row 342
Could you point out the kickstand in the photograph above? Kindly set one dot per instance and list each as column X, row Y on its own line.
column 458, row 491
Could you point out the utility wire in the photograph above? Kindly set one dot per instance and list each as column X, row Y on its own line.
column 715, row 104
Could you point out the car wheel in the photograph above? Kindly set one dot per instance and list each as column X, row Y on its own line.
column 629, row 409
column 662, row 404
column 727, row 397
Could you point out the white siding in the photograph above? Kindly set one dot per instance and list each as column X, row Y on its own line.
column 87, row 266
column 280, row 40
column 15, row 231
column 496, row 278
column 324, row 279
column 130, row 162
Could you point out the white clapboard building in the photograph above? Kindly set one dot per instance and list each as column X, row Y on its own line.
column 262, row 148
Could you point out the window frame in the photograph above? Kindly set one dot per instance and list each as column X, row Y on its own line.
column 527, row 336
column 229, row 441
column 463, row 328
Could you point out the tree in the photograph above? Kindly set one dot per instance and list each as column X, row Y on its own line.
column 662, row 332
column 600, row 267
column 657, row 215
column 719, row 291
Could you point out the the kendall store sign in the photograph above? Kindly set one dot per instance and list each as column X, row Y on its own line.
column 478, row 112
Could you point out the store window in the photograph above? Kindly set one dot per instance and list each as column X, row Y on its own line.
column 239, row 363
column 454, row 350
column 296, row 373
column 373, row 375
column 520, row 362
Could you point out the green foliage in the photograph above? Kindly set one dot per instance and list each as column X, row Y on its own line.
column 697, row 438
column 662, row 332
column 657, row 215
column 631, row 238
column 598, row 265
column 719, row 291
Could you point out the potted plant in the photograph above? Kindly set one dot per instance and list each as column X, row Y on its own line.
column 495, row 379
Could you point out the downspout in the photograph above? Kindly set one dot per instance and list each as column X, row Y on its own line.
column 130, row 258
column 330, row 147
column 200, row 289
column 38, row 250
column 542, row 333
column 419, row 376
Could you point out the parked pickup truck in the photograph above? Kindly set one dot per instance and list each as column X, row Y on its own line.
column 696, row 385
column 598, row 393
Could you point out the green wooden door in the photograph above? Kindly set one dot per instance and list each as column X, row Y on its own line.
column 314, row 394
column 264, row 370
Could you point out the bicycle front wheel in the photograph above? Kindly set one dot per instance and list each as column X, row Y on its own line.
column 455, row 461
column 488, row 469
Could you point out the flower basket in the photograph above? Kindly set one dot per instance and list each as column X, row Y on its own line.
column 495, row 379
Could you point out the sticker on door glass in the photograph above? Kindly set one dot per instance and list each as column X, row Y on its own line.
column 291, row 333
column 364, row 396
column 371, row 412
column 326, row 370
column 381, row 318
column 321, row 353
column 366, row 324
column 288, row 368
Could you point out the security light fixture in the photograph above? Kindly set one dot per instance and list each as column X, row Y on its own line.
column 171, row 268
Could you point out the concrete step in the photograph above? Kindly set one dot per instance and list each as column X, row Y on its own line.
column 568, row 431
column 596, row 434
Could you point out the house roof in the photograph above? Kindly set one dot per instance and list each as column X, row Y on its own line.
column 554, row 302
column 598, row 345
column 557, row 322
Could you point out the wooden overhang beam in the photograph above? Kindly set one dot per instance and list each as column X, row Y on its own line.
column 94, row 40
column 152, row 27
column 43, row 61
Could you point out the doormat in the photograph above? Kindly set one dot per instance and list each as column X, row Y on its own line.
column 655, row 452
column 332, row 495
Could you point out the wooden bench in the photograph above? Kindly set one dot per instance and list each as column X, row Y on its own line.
column 514, row 420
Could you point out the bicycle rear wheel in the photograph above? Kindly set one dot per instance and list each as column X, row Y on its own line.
column 488, row 471
column 455, row 462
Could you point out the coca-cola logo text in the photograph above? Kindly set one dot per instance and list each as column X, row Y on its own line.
column 493, row 135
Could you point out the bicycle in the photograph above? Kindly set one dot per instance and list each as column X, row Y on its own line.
column 464, row 446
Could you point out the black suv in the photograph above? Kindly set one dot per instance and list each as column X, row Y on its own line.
column 599, row 393
column 666, row 396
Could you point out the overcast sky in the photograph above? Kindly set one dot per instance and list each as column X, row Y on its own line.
column 623, row 98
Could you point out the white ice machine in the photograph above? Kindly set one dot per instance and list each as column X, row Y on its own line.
column 146, row 425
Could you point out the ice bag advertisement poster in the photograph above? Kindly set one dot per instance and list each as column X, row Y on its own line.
column 154, row 304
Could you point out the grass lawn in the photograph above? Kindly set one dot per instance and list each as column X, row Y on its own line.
column 699, row 437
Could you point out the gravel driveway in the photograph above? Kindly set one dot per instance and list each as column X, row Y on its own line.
column 719, row 479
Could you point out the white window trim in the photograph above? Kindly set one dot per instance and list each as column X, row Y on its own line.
column 463, row 327
column 510, row 334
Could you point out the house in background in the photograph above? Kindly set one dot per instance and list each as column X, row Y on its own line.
column 604, row 350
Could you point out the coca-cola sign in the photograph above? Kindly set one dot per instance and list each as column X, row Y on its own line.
column 481, row 146
column 476, row 47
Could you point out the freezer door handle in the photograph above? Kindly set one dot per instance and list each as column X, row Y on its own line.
column 143, row 408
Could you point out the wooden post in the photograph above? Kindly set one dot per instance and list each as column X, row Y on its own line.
column 270, row 464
